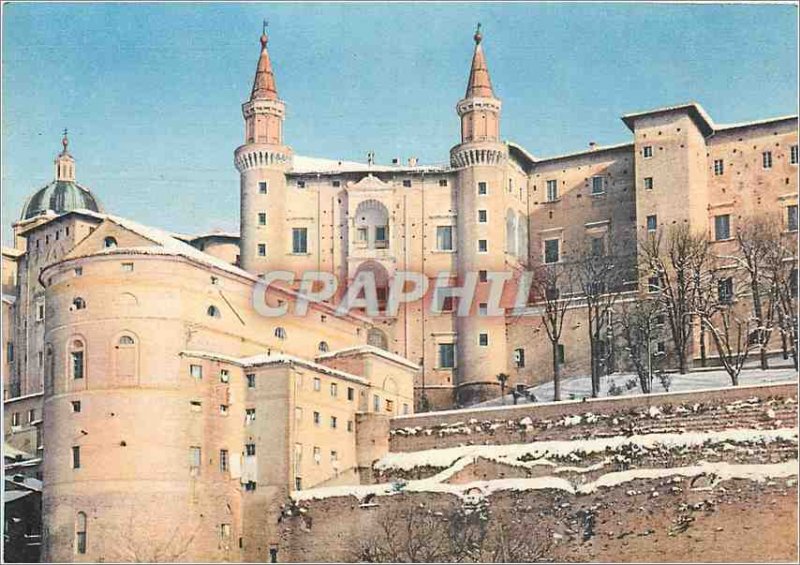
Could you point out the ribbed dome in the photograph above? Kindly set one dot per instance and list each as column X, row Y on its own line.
column 60, row 196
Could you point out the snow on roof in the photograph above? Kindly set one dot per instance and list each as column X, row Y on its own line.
column 12, row 495
column 723, row 127
column 12, row 252
column 11, row 451
column 18, row 398
column 267, row 359
column 9, row 299
column 307, row 165
column 363, row 349
column 28, row 483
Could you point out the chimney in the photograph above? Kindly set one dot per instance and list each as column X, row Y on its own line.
column 592, row 145
column 412, row 161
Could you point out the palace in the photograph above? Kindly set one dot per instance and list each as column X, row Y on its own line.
column 135, row 356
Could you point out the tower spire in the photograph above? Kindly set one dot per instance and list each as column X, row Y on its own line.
column 64, row 163
column 264, row 82
column 479, row 84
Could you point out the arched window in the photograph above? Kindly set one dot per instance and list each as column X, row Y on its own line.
column 125, row 358
column 109, row 242
column 280, row 333
column 80, row 533
column 213, row 311
column 324, row 347
column 78, row 303
column 377, row 338
column 77, row 357
column 372, row 225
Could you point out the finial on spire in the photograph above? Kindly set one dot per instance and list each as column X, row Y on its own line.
column 477, row 37
column 65, row 141
column 264, row 36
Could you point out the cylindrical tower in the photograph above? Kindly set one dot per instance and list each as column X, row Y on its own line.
column 262, row 162
column 480, row 159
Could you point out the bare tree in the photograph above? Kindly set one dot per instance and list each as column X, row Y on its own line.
column 133, row 544
column 672, row 258
column 640, row 325
column 457, row 534
column 600, row 271
column 756, row 238
column 553, row 295
column 721, row 306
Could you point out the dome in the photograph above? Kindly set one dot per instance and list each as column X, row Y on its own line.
column 60, row 196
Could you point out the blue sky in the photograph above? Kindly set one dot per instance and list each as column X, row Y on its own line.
column 151, row 94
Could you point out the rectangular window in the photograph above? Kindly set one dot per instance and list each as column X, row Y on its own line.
column 483, row 189
column 223, row 409
column 519, row 358
column 647, row 151
column 333, row 422
column 660, row 347
column 262, row 218
column 447, row 355
column 15, row 419
column 78, row 271
column 250, row 449
column 722, row 227
column 317, row 455
column 766, row 159
column 653, row 284
column 405, row 408
column 483, row 246
column 262, row 187
column 316, row 418
column 791, row 217
column 127, row 267
column 483, row 339
column 376, row 403
column 598, row 246
column 76, row 406
column 249, row 416
column 648, row 183
column 552, row 190
column 196, row 371
column 349, row 425
column 225, row 534
column 719, row 167
column 250, row 486
column 361, row 234
column 444, row 238
column 389, row 405
column 483, row 309
column 380, row 234
column 446, row 303
column 407, row 183
column 194, row 460
column 224, row 376
column 9, row 352
column 298, row 414
column 39, row 311
column 195, row 405
column 551, row 251
column 598, row 185
column 793, row 154
column 77, row 364
column 351, row 393
column 223, row 460
column 652, row 223
column 76, row 457
column 251, row 380
column 725, row 290
column 483, row 276
column 299, row 240
column 442, row 182
column 301, row 184
column 317, row 384
column 334, row 390
column 483, row 216
column 262, row 249
column 336, row 183
column 334, row 457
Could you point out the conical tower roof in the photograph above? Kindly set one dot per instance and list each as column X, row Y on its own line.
column 264, row 83
column 479, row 85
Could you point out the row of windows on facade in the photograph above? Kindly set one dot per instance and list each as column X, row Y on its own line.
column 15, row 417
column 722, row 223
column 447, row 353
column 725, row 287
column 263, row 186
column 56, row 237
column 766, row 158
column 317, row 454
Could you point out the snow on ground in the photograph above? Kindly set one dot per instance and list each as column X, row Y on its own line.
column 581, row 387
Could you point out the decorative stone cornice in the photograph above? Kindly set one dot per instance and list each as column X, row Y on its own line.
column 258, row 156
column 477, row 153
column 474, row 104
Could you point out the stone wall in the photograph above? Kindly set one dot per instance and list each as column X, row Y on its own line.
column 711, row 409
